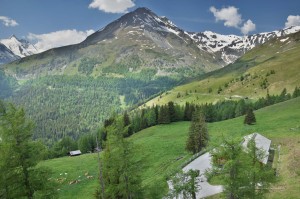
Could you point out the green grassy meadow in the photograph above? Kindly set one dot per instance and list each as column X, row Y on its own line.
column 270, row 67
column 160, row 151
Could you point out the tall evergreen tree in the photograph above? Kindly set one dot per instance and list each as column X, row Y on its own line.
column 120, row 172
column 198, row 133
column 19, row 156
column 164, row 116
column 240, row 108
column 296, row 92
column 172, row 112
column 250, row 117
column 127, row 123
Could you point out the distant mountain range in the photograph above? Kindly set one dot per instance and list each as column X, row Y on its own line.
column 18, row 48
column 155, row 41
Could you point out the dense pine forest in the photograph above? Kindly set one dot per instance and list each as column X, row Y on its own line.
column 84, row 102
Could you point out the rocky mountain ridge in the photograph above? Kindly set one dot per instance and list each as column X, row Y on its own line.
column 151, row 42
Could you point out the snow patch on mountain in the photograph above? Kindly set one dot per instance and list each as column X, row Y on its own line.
column 6, row 55
column 19, row 47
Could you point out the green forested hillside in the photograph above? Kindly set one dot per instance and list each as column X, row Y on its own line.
column 74, row 105
column 160, row 150
column 268, row 68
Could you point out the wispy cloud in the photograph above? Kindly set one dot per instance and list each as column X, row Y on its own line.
column 292, row 20
column 112, row 6
column 232, row 18
column 58, row 38
column 8, row 21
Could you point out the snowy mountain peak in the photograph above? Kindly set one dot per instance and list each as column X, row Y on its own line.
column 13, row 37
column 19, row 47
column 231, row 47
column 6, row 55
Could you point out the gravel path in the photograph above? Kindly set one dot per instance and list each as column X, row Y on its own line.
column 202, row 163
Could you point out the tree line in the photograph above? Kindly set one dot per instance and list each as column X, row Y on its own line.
column 140, row 119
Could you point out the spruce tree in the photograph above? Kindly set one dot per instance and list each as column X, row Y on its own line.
column 250, row 117
column 198, row 133
column 296, row 92
column 127, row 123
column 172, row 113
column 164, row 116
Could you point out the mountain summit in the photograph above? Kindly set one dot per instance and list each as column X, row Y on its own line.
column 141, row 40
column 19, row 47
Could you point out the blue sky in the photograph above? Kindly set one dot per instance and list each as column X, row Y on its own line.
column 70, row 21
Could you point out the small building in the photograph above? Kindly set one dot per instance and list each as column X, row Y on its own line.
column 75, row 153
column 261, row 143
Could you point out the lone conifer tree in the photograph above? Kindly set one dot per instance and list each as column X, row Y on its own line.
column 250, row 117
column 198, row 133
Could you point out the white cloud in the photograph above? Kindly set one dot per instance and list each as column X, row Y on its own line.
column 232, row 18
column 248, row 27
column 112, row 6
column 8, row 21
column 59, row 38
column 292, row 20
column 229, row 15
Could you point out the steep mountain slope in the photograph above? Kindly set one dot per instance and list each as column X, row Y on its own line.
column 231, row 47
column 139, row 40
column 270, row 67
column 136, row 41
column 19, row 47
column 6, row 55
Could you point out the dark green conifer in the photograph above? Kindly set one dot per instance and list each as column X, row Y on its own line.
column 250, row 117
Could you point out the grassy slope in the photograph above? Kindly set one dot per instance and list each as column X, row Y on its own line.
column 282, row 57
column 158, row 148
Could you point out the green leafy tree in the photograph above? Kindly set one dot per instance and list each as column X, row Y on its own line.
column 20, row 178
column 250, row 117
column 198, row 133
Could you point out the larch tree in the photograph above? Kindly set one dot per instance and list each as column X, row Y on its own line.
column 120, row 172
column 20, row 178
column 185, row 184
column 243, row 174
